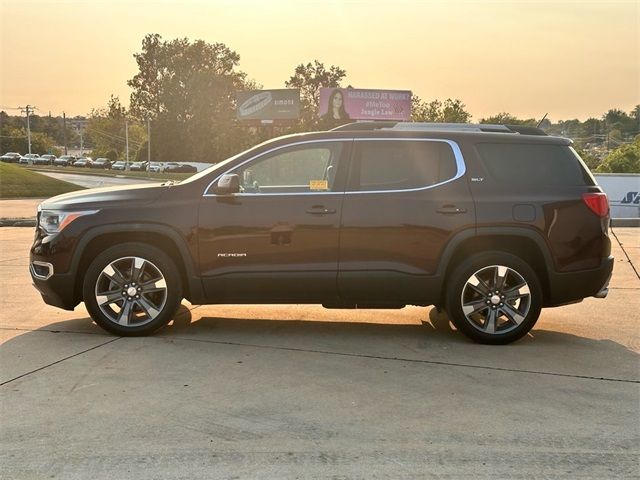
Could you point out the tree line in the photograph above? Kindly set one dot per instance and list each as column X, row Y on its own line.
column 186, row 91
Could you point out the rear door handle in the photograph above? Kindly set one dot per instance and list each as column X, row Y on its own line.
column 451, row 210
column 320, row 210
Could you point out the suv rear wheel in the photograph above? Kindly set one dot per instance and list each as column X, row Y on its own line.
column 494, row 297
column 132, row 289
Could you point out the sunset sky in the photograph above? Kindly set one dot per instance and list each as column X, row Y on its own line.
column 569, row 58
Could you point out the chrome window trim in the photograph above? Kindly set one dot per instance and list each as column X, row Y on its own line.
column 47, row 265
column 457, row 153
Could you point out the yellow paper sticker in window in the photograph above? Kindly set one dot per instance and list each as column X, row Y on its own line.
column 319, row 185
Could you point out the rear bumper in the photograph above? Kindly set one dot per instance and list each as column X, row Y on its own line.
column 574, row 286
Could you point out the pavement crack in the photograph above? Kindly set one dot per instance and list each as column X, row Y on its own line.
column 59, row 361
column 413, row 360
column 53, row 330
column 625, row 254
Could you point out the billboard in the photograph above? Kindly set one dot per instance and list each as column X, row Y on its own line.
column 267, row 105
column 338, row 105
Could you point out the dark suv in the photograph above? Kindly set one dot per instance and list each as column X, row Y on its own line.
column 488, row 222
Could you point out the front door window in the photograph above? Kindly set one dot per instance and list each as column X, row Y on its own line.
column 299, row 169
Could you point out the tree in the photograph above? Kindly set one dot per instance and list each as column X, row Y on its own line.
column 105, row 131
column 421, row 111
column 504, row 118
column 14, row 139
column 625, row 159
column 310, row 78
column 589, row 159
column 188, row 91
column 617, row 119
column 635, row 114
column 449, row 111
column 453, row 111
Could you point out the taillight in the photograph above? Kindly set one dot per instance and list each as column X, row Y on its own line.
column 597, row 203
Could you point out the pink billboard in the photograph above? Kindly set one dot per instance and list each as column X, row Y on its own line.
column 339, row 105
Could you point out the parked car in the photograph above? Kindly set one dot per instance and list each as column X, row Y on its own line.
column 139, row 166
column 489, row 223
column 28, row 158
column 103, row 163
column 156, row 167
column 119, row 165
column 83, row 162
column 10, row 157
column 173, row 167
column 45, row 160
column 65, row 161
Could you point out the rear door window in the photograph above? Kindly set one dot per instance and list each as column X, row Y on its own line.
column 534, row 164
column 385, row 165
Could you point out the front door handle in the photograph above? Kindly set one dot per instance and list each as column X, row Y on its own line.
column 451, row 210
column 320, row 210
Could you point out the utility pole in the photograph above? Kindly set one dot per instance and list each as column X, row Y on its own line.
column 148, row 144
column 64, row 129
column 126, row 141
column 28, row 109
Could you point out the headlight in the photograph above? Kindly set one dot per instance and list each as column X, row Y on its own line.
column 53, row 222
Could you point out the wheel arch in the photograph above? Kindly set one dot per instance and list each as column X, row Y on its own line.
column 160, row 236
column 521, row 242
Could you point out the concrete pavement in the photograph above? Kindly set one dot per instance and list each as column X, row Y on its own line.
column 303, row 392
column 19, row 208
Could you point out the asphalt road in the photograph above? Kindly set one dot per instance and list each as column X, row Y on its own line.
column 302, row 392
column 94, row 181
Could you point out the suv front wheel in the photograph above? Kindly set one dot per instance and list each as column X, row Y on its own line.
column 132, row 289
column 494, row 297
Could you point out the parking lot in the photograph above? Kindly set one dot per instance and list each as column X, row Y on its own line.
column 299, row 391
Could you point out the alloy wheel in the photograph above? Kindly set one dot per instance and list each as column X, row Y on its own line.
column 496, row 299
column 131, row 291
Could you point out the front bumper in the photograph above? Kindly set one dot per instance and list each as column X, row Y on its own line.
column 56, row 290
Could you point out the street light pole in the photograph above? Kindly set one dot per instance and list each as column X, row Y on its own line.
column 148, row 146
column 126, row 141
column 149, row 140
column 28, row 108
column 64, row 128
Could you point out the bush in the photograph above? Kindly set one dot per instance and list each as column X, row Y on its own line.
column 589, row 159
column 624, row 159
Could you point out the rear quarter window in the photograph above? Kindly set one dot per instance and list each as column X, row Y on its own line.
column 534, row 164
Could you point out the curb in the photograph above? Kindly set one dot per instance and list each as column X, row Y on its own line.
column 625, row 222
column 17, row 222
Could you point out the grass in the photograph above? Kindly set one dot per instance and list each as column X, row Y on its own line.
column 18, row 182
column 111, row 173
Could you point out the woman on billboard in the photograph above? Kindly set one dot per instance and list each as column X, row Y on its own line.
column 336, row 114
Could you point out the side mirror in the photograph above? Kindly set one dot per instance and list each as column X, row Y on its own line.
column 228, row 184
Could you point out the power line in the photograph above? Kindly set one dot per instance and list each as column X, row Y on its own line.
column 114, row 137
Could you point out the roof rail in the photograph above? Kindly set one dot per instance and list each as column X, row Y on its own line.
column 449, row 127
column 442, row 127
column 359, row 126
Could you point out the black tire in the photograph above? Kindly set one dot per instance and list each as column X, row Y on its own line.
column 492, row 318
column 149, row 311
